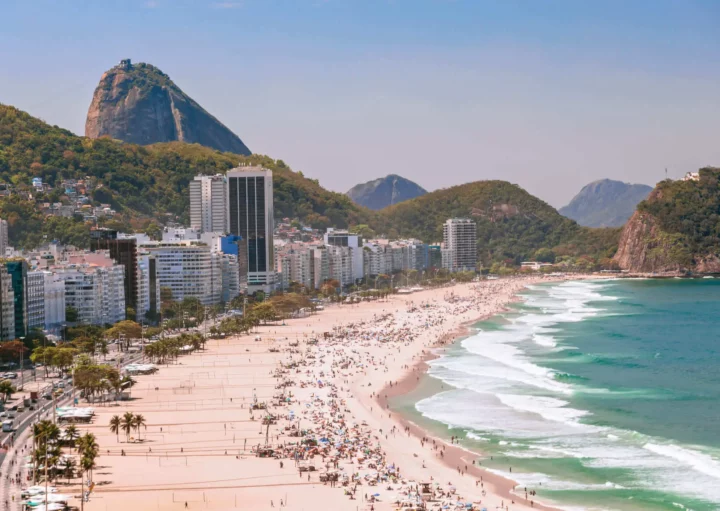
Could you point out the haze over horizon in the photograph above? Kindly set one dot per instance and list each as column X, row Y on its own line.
column 550, row 96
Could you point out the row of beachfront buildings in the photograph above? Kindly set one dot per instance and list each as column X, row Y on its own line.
column 233, row 246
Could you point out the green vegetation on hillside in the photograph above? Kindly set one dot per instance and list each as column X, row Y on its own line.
column 148, row 186
column 512, row 225
column 689, row 210
column 143, row 183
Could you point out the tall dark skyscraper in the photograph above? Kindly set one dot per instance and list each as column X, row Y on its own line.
column 124, row 252
column 250, row 215
column 17, row 269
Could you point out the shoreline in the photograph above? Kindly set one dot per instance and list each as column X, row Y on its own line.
column 456, row 455
column 198, row 449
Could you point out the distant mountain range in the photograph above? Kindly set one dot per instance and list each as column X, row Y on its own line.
column 385, row 191
column 140, row 104
column 605, row 203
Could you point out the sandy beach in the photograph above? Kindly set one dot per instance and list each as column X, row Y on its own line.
column 330, row 373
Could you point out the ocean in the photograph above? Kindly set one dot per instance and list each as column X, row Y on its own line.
column 597, row 394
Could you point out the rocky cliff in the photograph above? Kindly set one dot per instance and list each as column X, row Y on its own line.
column 605, row 203
column 385, row 191
column 675, row 230
column 138, row 103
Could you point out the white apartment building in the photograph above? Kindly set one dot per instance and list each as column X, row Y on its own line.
column 385, row 257
column 36, row 300
column 94, row 288
column 352, row 242
column 188, row 269
column 340, row 264
column 460, row 237
column 320, row 264
column 208, row 209
column 7, row 306
column 294, row 263
column 54, row 301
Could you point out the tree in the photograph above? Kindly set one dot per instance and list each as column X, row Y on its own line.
column 264, row 312
column 71, row 314
column 72, row 434
column 69, row 467
column 127, row 423
column 115, row 426
column 44, row 356
column 138, row 422
column 126, row 329
column 12, row 350
column 6, row 390
column 63, row 359
column 544, row 255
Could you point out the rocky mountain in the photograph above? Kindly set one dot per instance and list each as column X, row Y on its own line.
column 676, row 229
column 385, row 191
column 139, row 104
column 605, row 203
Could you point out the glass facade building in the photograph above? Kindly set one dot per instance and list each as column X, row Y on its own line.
column 250, row 216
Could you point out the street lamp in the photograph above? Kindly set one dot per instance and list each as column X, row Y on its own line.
column 22, row 360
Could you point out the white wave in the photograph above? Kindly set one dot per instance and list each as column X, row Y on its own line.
column 539, row 480
column 474, row 436
column 697, row 460
column 544, row 340
column 547, row 407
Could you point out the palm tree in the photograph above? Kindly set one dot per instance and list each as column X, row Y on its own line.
column 127, row 423
column 69, row 469
column 138, row 422
column 6, row 390
column 45, row 434
column 71, row 434
column 87, row 444
column 115, row 424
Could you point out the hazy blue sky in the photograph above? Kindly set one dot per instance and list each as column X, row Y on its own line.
column 546, row 94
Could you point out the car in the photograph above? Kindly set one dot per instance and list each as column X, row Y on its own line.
column 10, row 376
column 47, row 395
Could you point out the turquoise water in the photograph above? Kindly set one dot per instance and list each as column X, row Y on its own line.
column 599, row 395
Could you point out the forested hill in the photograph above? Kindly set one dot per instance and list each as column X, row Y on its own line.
column 143, row 183
column 512, row 224
column 148, row 186
column 676, row 229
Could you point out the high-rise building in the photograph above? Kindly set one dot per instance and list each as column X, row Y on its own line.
column 148, row 302
column 7, row 306
column 54, row 301
column 460, row 239
column 351, row 249
column 188, row 269
column 230, row 277
column 207, row 204
column 18, row 270
column 250, row 215
column 36, row 300
column 94, row 287
column 123, row 251
column 3, row 237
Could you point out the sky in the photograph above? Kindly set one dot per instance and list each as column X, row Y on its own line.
column 547, row 94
